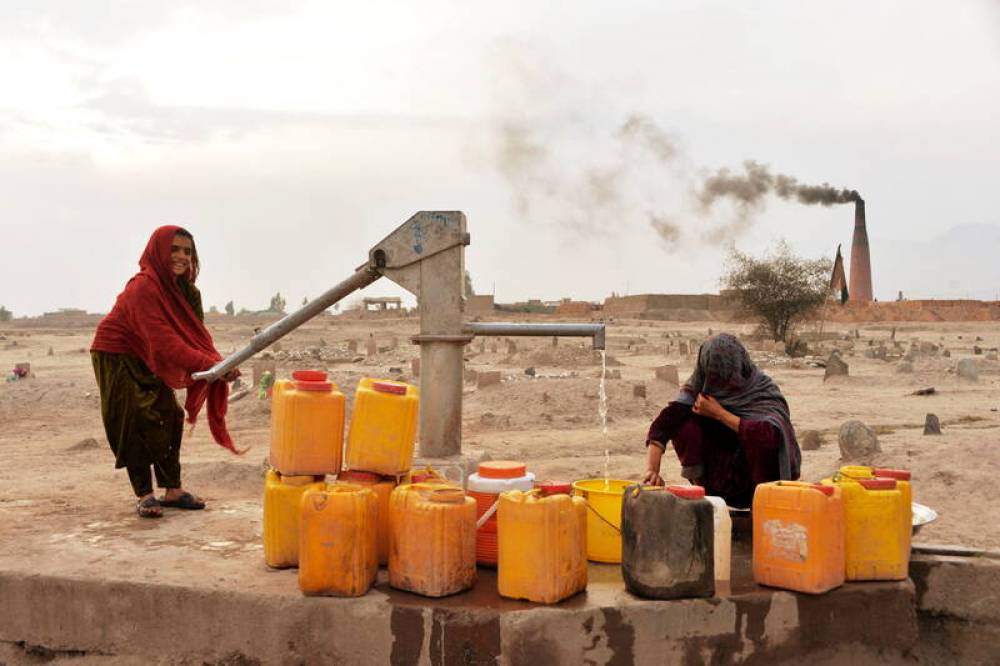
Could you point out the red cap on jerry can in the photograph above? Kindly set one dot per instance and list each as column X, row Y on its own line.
column 687, row 492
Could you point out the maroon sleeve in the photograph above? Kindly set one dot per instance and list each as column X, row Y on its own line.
column 666, row 425
column 761, row 441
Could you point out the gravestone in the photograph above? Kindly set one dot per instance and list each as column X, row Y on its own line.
column 857, row 441
column 489, row 378
column 835, row 366
column 968, row 369
column 932, row 425
column 810, row 440
column 668, row 373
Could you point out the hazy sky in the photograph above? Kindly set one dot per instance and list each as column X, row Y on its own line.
column 291, row 136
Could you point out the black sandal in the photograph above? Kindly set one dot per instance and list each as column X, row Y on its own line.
column 185, row 501
column 149, row 508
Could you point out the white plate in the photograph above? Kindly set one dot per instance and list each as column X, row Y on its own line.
column 922, row 515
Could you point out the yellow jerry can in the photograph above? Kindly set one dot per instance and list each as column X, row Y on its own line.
column 542, row 554
column 337, row 553
column 432, row 539
column 283, row 516
column 307, row 425
column 383, row 427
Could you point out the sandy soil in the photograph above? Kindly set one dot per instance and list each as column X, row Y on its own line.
column 65, row 509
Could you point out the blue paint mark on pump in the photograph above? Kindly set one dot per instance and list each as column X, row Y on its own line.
column 418, row 237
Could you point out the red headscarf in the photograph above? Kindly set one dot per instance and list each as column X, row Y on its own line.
column 153, row 320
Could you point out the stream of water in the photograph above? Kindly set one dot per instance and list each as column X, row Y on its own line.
column 602, row 411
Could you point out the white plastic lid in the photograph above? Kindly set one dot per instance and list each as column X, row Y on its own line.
column 493, row 486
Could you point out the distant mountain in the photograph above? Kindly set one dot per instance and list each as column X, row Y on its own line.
column 962, row 262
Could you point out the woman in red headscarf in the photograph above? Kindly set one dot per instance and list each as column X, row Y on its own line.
column 148, row 345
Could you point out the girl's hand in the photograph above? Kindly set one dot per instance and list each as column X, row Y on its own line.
column 231, row 375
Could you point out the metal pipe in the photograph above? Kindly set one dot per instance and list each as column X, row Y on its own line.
column 595, row 331
column 363, row 277
column 441, row 379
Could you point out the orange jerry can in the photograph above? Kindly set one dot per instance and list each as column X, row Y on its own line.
column 798, row 536
column 382, row 486
column 283, row 516
column 383, row 427
column 337, row 541
column 432, row 539
column 307, row 425
column 542, row 554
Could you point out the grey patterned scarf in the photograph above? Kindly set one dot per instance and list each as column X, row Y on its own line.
column 725, row 372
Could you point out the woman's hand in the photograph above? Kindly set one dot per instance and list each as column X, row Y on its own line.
column 231, row 375
column 653, row 478
column 707, row 406
column 653, row 454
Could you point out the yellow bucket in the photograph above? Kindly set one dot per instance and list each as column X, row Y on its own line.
column 604, row 517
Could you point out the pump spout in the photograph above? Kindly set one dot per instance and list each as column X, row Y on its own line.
column 595, row 331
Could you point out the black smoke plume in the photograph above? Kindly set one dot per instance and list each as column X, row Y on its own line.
column 749, row 188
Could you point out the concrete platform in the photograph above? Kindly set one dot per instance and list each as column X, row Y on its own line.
column 89, row 578
column 258, row 616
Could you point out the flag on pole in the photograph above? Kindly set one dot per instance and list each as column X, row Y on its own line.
column 838, row 280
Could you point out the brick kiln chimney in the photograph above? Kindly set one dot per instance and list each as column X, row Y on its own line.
column 860, row 283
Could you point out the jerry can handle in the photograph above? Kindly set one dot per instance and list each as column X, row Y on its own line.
column 489, row 514
column 417, row 464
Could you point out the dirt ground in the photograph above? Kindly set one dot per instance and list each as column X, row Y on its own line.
column 65, row 509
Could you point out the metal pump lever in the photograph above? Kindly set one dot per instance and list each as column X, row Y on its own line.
column 362, row 277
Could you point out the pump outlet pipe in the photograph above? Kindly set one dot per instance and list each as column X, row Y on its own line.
column 511, row 329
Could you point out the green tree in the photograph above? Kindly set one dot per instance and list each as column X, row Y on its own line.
column 780, row 288
column 5, row 314
column 230, row 309
column 277, row 304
